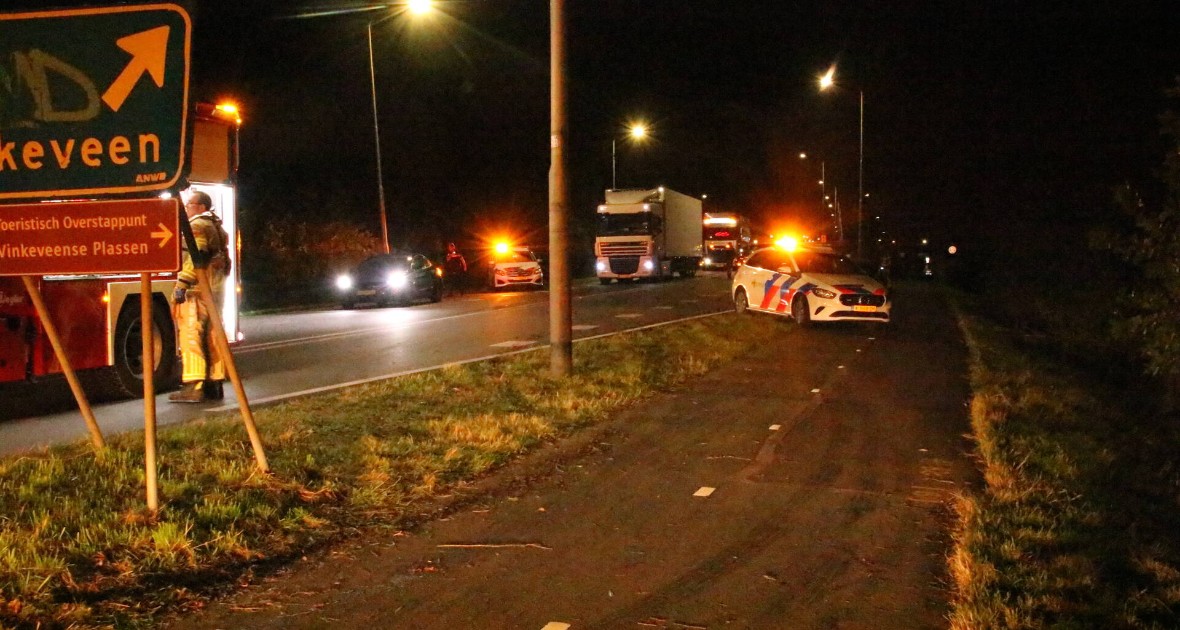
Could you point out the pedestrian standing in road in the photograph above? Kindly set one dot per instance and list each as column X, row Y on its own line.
column 455, row 267
column 203, row 368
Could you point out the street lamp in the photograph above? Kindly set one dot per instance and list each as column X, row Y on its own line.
column 826, row 81
column 637, row 132
column 415, row 7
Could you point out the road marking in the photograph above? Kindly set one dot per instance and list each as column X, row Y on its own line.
column 815, row 391
column 556, row 625
column 516, row 343
column 629, row 315
column 582, row 327
column 704, row 491
column 775, row 427
column 663, row 308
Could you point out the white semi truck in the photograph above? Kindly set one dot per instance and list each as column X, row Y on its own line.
column 648, row 233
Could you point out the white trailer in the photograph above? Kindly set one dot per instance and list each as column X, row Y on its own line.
column 647, row 233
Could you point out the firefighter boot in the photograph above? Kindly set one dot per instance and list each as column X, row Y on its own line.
column 191, row 393
column 214, row 391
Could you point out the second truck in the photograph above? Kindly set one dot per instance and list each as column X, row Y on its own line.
column 647, row 234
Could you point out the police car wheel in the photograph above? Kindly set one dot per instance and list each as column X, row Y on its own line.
column 741, row 303
column 801, row 312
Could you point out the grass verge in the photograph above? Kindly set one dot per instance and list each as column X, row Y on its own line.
column 1077, row 524
column 76, row 547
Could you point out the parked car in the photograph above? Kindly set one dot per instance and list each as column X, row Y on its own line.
column 808, row 283
column 514, row 266
column 396, row 278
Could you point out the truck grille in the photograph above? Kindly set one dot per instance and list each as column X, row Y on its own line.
column 862, row 299
column 623, row 248
column 624, row 264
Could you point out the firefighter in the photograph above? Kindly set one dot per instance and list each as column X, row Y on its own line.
column 203, row 369
column 455, row 266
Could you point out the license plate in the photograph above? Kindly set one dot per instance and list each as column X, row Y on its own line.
column 864, row 309
column 367, row 292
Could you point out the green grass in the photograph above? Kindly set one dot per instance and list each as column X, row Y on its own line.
column 1078, row 522
column 78, row 547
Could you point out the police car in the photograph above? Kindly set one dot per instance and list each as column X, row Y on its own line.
column 808, row 284
column 514, row 266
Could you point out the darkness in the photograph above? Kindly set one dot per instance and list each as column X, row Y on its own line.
column 982, row 121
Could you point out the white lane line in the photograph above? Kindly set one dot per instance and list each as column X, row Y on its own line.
column 815, row 391
column 663, row 308
column 704, row 491
column 629, row 315
column 515, row 343
column 556, row 625
column 584, row 327
column 775, row 427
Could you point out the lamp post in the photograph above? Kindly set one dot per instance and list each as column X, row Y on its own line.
column 636, row 131
column 417, row 7
column 826, row 81
column 823, row 178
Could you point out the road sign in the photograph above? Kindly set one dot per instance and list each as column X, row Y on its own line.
column 133, row 235
column 93, row 101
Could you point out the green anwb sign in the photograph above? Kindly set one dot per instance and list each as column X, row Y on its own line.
column 93, row 101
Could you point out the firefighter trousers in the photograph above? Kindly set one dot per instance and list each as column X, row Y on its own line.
column 198, row 354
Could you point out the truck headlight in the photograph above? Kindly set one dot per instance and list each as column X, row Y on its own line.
column 397, row 279
column 344, row 282
column 601, row 266
column 648, row 265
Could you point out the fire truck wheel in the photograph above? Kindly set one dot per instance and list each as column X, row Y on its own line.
column 129, row 349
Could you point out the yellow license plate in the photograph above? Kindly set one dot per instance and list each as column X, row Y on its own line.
column 865, row 309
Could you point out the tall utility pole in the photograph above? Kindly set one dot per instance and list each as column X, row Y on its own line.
column 377, row 142
column 860, row 183
column 560, row 318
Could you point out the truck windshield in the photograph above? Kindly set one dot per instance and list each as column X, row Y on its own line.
column 625, row 224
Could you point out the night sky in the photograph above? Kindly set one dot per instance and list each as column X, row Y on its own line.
column 981, row 118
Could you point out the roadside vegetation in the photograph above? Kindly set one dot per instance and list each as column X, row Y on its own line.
column 1077, row 524
column 1076, row 414
column 78, row 549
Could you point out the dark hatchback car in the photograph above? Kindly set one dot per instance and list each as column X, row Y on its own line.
column 386, row 279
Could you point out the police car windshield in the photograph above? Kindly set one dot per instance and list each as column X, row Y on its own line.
column 820, row 262
column 514, row 257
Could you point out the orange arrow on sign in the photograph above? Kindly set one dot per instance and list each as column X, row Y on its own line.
column 164, row 234
column 149, row 51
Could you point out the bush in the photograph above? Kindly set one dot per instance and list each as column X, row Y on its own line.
column 294, row 263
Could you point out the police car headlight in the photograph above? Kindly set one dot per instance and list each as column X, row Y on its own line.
column 397, row 279
column 344, row 282
column 823, row 293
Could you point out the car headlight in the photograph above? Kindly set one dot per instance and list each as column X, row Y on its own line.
column 397, row 279
column 708, row 261
column 823, row 293
column 344, row 282
column 501, row 272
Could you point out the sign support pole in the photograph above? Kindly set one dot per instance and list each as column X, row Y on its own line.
column 151, row 472
column 59, row 351
column 222, row 343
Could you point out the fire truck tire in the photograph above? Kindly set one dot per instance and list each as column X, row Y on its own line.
column 128, row 366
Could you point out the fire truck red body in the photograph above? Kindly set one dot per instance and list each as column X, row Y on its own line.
column 98, row 316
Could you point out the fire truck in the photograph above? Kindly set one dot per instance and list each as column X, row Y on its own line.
column 98, row 316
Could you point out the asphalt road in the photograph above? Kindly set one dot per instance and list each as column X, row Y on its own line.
column 829, row 457
column 293, row 354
